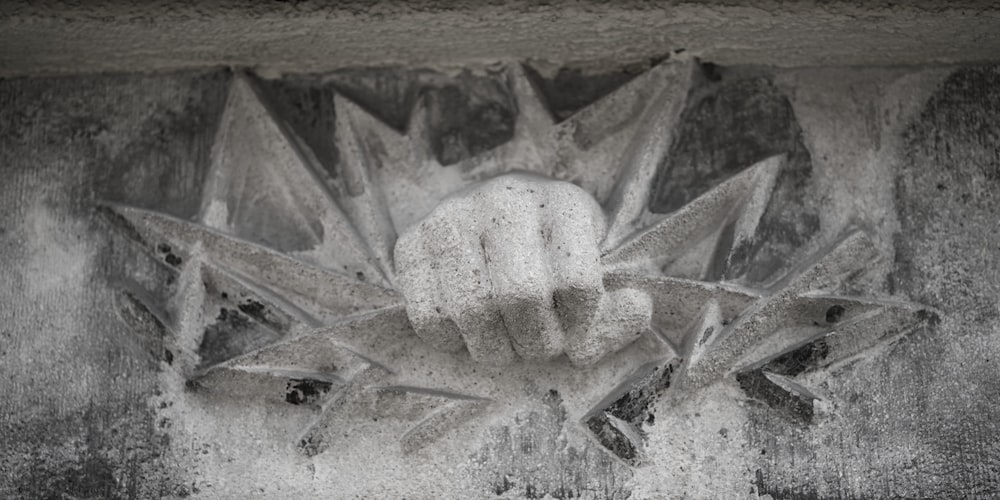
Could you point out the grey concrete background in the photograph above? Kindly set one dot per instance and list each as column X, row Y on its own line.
column 68, row 37
column 91, row 407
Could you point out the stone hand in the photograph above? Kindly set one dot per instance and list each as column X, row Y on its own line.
column 512, row 267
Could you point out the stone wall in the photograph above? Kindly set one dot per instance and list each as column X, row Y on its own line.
column 95, row 402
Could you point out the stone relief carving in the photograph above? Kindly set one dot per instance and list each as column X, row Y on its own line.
column 421, row 295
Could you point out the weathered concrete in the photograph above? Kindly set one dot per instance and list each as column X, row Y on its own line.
column 98, row 405
column 67, row 37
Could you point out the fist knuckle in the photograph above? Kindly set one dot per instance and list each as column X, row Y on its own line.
column 514, row 266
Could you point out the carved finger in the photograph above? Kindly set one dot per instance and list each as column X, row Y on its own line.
column 623, row 316
column 572, row 227
column 420, row 254
column 521, row 279
column 468, row 293
column 485, row 336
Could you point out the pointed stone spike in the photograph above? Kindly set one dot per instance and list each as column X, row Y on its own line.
column 352, row 400
column 704, row 331
column 646, row 151
column 780, row 324
column 275, row 385
column 746, row 224
column 680, row 230
column 389, row 144
column 228, row 332
column 368, row 336
column 800, row 320
column 752, row 328
column 336, row 292
column 517, row 154
column 441, row 421
column 533, row 117
column 190, row 302
column 238, row 317
column 419, row 135
column 320, row 353
column 861, row 324
column 591, row 143
column 794, row 404
column 530, row 149
column 850, row 254
column 361, row 141
column 616, row 420
column 136, row 306
column 891, row 324
column 678, row 302
column 414, row 183
column 257, row 301
column 308, row 352
column 619, row 111
column 262, row 187
column 793, row 387
column 420, row 416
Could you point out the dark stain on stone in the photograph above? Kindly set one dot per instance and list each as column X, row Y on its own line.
column 502, row 486
column 930, row 317
column 172, row 259
column 953, row 143
column 725, row 127
column 552, row 464
column 311, row 445
column 138, row 315
column 304, row 104
column 233, row 333
column 120, row 223
column 253, row 309
column 92, row 477
column 165, row 166
column 710, row 71
column 615, row 425
column 834, row 313
column 85, row 455
column 469, row 115
column 168, row 256
column 757, row 386
column 571, row 89
column 784, row 493
column 735, row 117
column 634, row 405
column 613, row 438
column 947, row 192
column 388, row 93
column 305, row 391
column 707, row 334
column 138, row 140
column 805, row 358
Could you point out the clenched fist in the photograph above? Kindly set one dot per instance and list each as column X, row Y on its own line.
column 512, row 267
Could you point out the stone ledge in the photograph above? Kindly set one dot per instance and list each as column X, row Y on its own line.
column 60, row 37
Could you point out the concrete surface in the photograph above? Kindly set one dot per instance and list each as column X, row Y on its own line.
column 68, row 37
column 96, row 403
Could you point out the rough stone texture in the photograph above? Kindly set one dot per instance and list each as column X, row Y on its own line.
column 65, row 36
column 94, row 405
column 514, row 266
